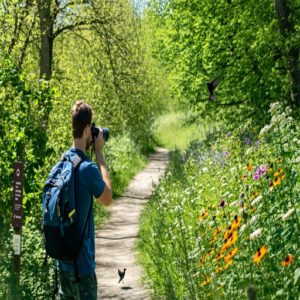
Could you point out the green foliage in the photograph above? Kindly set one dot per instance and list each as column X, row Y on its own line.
column 219, row 203
column 98, row 56
column 176, row 130
column 240, row 41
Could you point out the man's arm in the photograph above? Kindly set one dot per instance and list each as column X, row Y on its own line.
column 106, row 196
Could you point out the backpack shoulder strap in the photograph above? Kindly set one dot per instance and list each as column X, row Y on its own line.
column 76, row 160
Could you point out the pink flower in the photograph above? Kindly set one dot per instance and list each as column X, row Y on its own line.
column 261, row 170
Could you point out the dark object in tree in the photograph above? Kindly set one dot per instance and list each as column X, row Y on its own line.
column 122, row 275
column 211, row 87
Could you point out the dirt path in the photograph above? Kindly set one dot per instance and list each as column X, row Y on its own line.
column 116, row 239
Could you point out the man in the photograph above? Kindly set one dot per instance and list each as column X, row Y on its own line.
column 91, row 179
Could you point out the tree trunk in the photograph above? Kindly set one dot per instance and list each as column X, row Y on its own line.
column 46, row 29
column 287, row 28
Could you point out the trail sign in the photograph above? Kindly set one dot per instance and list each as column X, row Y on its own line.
column 18, row 194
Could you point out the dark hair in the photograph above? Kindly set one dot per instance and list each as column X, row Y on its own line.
column 81, row 116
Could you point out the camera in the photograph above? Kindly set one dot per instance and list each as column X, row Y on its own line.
column 95, row 131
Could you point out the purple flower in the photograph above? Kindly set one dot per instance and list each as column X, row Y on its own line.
column 247, row 141
column 256, row 144
column 226, row 153
column 261, row 170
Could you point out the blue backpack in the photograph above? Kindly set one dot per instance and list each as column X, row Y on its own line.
column 62, row 236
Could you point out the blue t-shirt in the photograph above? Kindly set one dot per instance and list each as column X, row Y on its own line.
column 88, row 183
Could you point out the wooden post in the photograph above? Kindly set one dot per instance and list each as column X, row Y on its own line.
column 17, row 225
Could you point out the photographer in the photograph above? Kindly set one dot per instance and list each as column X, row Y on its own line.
column 91, row 180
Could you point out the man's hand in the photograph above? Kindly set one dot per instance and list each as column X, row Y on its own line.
column 106, row 196
column 99, row 142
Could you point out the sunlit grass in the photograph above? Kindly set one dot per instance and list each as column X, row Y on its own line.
column 174, row 132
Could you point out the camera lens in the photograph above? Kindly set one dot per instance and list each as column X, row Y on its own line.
column 105, row 132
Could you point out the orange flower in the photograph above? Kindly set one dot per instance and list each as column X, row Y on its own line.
column 279, row 171
column 260, row 253
column 231, row 254
column 288, row 260
column 228, row 234
column 228, row 265
column 203, row 215
column 230, row 241
column 249, row 167
column 236, row 223
column 277, row 181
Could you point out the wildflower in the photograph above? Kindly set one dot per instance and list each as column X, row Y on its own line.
column 247, row 141
column 228, row 234
column 228, row 265
column 253, row 220
column 277, row 181
column 220, row 269
column 231, row 240
column 255, row 234
column 217, row 231
column 222, row 203
column 244, row 177
column 201, row 262
column 243, row 228
column 254, row 195
column 208, row 280
column 213, row 240
column 249, row 167
column 288, row 214
column 236, row 223
column 203, row 215
column 260, row 253
column 234, row 203
column 256, row 200
column 279, row 171
column 288, row 260
column 218, row 257
column 230, row 255
column 261, row 170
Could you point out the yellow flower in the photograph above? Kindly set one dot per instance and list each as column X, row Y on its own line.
column 260, row 253
column 220, row 269
column 228, row 265
column 213, row 240
column 231, row 254
column 208, row 280
column 236, row 223
column 249, row 167
column 217, row 231
column 230, row 241
column 277, row 181
column 228, row 234
column 288, row 260
column 218, row 257
column 279, row 171
column 254, row 195
column 200, row 263
column 203, row 215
